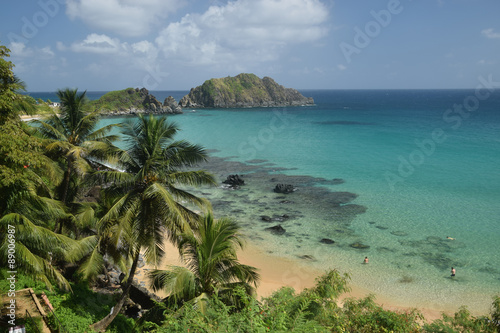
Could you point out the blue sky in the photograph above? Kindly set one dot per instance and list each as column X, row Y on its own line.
column 307, row 44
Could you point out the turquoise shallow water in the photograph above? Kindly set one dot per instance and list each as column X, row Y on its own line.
column 422, row 173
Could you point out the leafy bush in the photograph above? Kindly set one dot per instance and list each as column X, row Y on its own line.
column 463, row 321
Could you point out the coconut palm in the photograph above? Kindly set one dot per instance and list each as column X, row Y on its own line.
column 28, row 211
column 100, row 240
column 149, row 199
column 35, row 249
column 212, row 266
column 73, row 136
column 28, row 207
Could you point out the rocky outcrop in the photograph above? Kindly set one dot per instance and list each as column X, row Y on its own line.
column 171, row 105
column 277, row 230
column 234, row 180
column 133, row 101
column 243, row 91
column 284, row 188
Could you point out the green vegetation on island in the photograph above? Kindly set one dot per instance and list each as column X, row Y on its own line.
column 119, row 100
column 243, row 90
column 131, row 101
column 78, row 215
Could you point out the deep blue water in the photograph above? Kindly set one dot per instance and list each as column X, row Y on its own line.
column 422, row 164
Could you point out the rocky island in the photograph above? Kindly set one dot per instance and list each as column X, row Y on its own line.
column 243, row 91
column 132, row 101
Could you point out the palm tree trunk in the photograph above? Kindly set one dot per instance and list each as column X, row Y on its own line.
column 65, row 187
column 101, row 325
column 66, row 180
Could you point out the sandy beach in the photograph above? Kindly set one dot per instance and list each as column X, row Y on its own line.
column 277, row 272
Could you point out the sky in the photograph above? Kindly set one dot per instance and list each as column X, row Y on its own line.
column 102, row 45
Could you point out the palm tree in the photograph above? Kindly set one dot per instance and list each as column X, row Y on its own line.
column 149, row 200
column 74, row 137
column 35, row 249
column 27, row 210
column 100, row 241
column 212, row 266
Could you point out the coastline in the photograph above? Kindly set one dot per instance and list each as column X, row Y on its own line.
column 282, row 268
column 277, row 272
column 288, row 261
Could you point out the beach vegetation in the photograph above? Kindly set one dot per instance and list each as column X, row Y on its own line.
column 146, row 192
column 211, row 266
column 73, row 139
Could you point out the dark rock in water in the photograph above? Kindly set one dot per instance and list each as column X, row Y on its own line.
column 381, row 227
column 360, row 246
column 307, row 257
column 327, row 241
column 284, row 188
column 256, row 161
column 234, row 180
column 337, row 181
column 371, row 222
column 275, row 218
column 341, row 198
column 286, row 202
column 399, row 233
column 384, row 249
column 277, row 230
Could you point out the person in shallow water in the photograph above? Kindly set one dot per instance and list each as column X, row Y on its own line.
column 453, row 271
column 365, row 261
column 450, row 238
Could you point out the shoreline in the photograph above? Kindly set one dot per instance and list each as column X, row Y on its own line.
column 277, row 272
column 282, row 265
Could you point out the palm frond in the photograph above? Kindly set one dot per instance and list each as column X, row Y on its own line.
column 191, row 178
column 94, row 263
column 178, row 282
column 51, row 128
column 184, row 154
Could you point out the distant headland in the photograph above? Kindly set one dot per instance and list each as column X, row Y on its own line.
column 132, row 101
column 243, row 91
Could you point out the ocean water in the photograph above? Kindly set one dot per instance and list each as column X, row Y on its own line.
column 396, row 172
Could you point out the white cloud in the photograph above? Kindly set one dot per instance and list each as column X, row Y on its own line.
column 490, row 33
column 243, row 30
column 124, row 17
column 100, row 44
column 20, row 50
column 341, row 67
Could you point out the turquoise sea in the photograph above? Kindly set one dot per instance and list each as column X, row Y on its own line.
column 396, row 170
